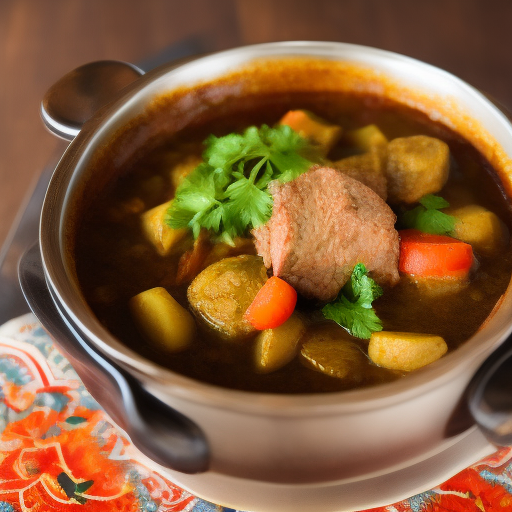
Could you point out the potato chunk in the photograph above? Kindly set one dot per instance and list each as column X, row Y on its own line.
column 337, row 358
column 164, row 239
column 416, row 166
column 480, row 228
column 275, row 348
column 438, row 286
column 318, row 131
column 366, row 138
column 220, row 295
column 162, row 320
column 405, row 351
column 329, row 349
column 367, row 168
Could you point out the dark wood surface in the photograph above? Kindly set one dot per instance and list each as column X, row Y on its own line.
column 40, row 40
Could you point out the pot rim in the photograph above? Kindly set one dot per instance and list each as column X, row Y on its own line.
column 60, row 277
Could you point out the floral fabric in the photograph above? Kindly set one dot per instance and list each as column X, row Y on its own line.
column 59, row 451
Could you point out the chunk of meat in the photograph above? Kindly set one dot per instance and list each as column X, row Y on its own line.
column 323, row 223
column 416, row 166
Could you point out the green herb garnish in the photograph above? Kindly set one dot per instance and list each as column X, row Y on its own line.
column 353, row 309
column 227, row 194
column 426, row 216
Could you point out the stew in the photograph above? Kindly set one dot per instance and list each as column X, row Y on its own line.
column 386, row 247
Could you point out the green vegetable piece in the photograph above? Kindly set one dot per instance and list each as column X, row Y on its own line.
column 426, row 216
column 227, row 194
column 353, row 309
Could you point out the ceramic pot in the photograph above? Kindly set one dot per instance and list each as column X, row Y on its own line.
column 336, row 451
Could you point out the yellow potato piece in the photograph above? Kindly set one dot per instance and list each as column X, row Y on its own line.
column 438, row 286
column 162, row 320
column 342, row 359
column 220, row 295
column 405, row 351
column 164, row 239
column 479, row 227
column 366, row 138
column 416, row 166
column 275, row 348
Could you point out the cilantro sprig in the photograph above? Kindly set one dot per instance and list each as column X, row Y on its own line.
column 353, row 309
column 227, row 194
column 426, row 216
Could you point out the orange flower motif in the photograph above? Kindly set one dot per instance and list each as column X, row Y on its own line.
column 51, row 459
column 67, row 457
column 492, row 497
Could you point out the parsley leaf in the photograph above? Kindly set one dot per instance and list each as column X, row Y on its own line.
column 432, row 202
column 353, row 309
column 426, row 216
column 248, row 198
column 227, row 194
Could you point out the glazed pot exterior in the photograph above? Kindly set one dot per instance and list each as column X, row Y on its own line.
column 277, row 443
column 322, row 446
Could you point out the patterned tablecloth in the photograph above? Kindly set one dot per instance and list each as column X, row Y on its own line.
column 61, row 452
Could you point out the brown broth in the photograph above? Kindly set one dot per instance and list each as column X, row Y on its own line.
column 114, row 262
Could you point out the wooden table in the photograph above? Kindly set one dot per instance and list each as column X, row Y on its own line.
column 40, row 40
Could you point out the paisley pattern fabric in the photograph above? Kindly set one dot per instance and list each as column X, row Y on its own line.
column 59, row 451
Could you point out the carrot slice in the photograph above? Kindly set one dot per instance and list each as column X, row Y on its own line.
column 273, row 304
column 192, row 261
column 312, row 127
column 427, row 255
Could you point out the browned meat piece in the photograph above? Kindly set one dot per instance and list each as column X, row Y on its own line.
column 323, row 223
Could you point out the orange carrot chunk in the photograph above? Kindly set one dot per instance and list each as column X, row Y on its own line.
column 273, row 304
column 318, row 131
column 427, row 255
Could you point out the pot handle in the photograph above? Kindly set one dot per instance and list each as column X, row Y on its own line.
column 160, row 432
column 73, row 99
column 489, row 395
